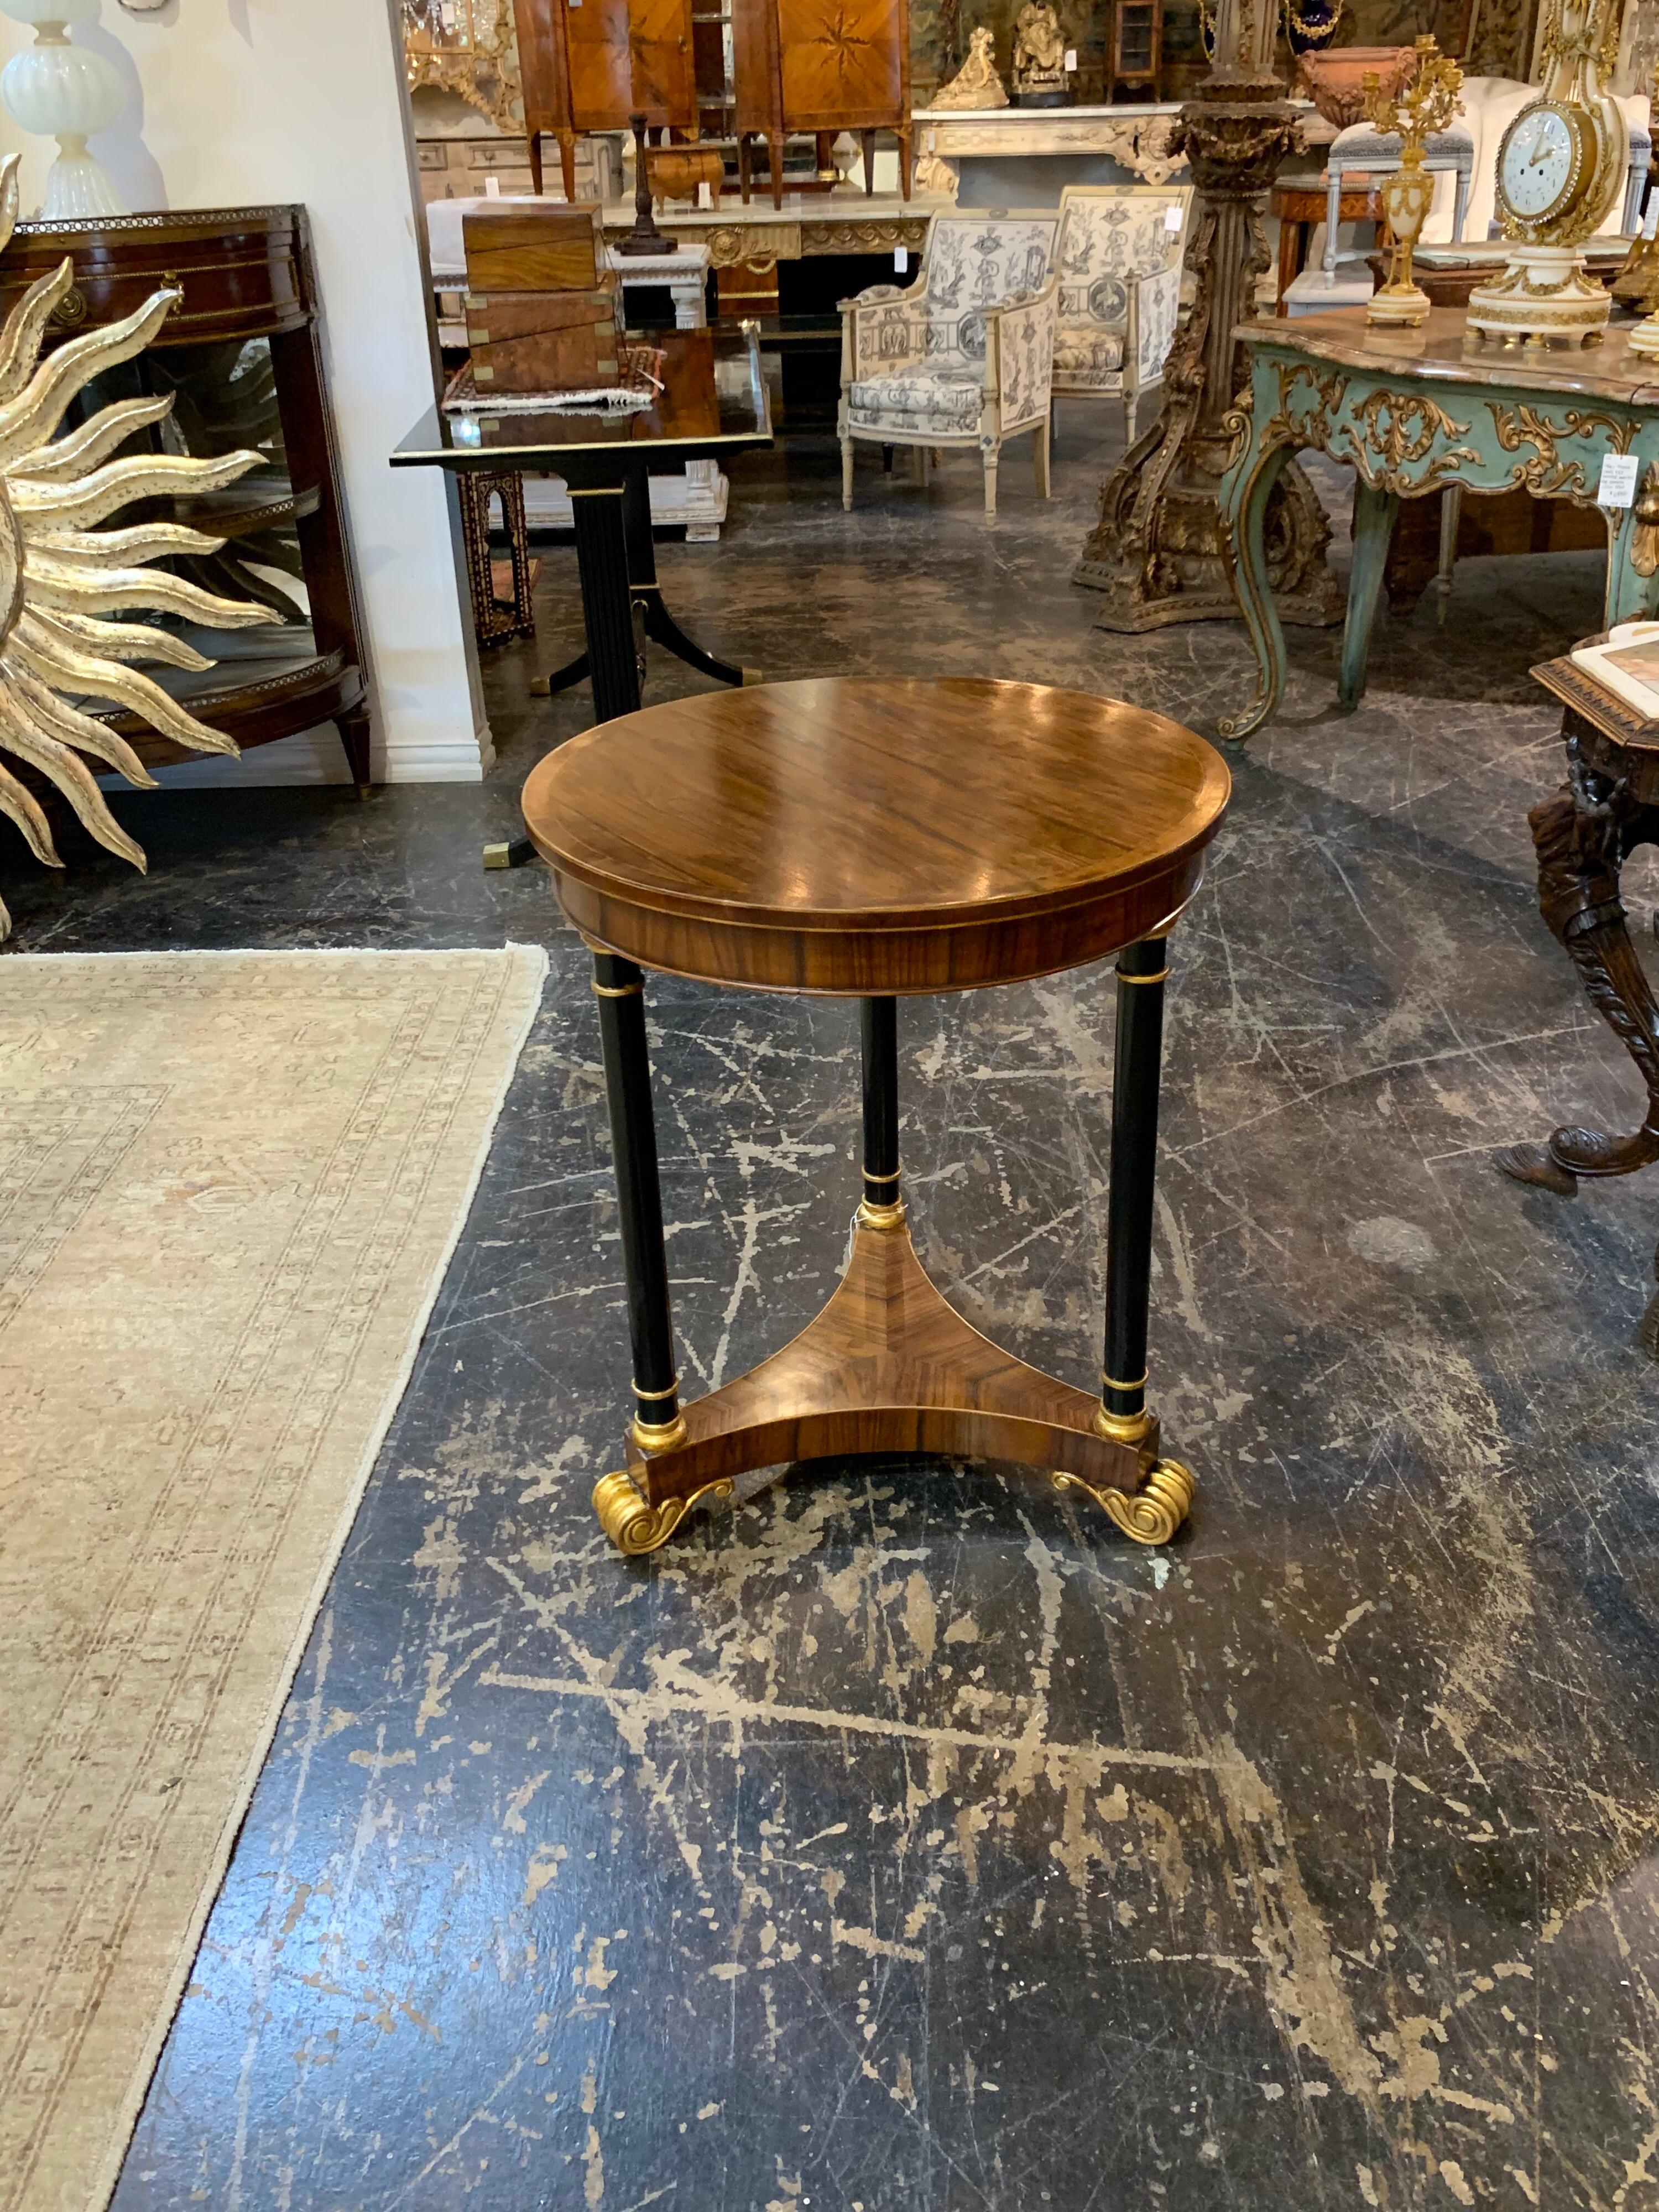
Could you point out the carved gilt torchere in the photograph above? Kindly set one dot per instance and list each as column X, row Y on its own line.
column 1159, row 551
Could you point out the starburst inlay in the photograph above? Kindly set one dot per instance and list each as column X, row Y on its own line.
column 842, row 44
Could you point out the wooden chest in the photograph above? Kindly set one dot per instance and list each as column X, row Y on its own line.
column 550, row 248
column 542, row 341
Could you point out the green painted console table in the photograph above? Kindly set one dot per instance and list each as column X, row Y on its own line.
column 1415, row 411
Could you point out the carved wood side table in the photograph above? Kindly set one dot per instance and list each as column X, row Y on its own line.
column 879, row 840
column 1608, row 805
column 1414, row 412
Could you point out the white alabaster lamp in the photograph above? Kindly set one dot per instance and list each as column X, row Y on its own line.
column 68, row 92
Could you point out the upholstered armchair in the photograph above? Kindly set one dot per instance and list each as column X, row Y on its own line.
column 1118, row 257
column 964, row 356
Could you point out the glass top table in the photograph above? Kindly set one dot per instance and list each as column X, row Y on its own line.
column 714, row 401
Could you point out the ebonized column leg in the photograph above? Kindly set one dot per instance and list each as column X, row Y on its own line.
column 883, row 1206
column 613, row 654
column 1141, row 969
column 607, row 603
column 619, row 986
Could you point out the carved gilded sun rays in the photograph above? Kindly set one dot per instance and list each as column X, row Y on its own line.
column 60, row 573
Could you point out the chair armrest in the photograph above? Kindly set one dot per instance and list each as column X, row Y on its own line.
column 1019, row 354
column 1154, row 308
column 883, row 328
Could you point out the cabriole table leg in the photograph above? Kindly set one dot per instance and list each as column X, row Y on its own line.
column 1150, row 1514
column 629, row 1519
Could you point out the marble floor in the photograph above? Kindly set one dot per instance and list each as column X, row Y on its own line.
column 896, row 1841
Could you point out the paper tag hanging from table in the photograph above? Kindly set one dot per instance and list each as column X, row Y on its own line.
column 1617, row 487
column 1172, row 216
column 900, row 259
column 1071, row 61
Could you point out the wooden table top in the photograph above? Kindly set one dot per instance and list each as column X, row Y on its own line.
column 1440, row 347
column 874, row 837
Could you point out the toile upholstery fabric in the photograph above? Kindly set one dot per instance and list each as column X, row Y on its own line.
column 1118, row 259
column 965, row 355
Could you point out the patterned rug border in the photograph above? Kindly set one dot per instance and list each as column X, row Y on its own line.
column 530, row 963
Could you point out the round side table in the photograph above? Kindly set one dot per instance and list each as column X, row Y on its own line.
column 876, row 840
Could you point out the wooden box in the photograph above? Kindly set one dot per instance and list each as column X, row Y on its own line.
column 542, row 341
column 822, row 66
column 550, row 248
column 590, row 66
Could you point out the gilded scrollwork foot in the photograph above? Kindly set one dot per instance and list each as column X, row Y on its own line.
column 1150, row 1514
column 633, row 1524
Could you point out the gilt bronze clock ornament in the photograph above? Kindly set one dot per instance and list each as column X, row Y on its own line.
column 1559, row 165
column 1426, row 103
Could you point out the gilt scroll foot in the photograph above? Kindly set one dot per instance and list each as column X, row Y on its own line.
column 633, row 1524
column 1150, row 1514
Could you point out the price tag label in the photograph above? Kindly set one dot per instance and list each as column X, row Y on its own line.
column 901, row 262
column 1172, row 216
column 1618, row 484
column 1071, row 61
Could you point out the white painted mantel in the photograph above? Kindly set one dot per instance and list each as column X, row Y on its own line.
column 246, row 102
column 1051, row 146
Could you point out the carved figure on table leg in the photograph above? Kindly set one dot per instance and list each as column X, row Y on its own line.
column 1582, row 836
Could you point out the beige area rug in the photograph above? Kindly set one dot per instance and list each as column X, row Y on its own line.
column 229, row 1185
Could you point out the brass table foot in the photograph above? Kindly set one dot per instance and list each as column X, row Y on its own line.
column 1149, row 1515
column 633, row 1524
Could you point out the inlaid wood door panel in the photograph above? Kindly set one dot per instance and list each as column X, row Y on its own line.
column 842, row 61
column 601, row 63
column 664, row 78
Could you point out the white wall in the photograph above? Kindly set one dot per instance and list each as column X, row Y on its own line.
column 241, row 102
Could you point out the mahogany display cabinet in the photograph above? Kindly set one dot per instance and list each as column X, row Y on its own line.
column 240, row 356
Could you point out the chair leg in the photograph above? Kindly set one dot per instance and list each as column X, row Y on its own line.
column 1131, row 405
column 1039, row 458
column 920, row 454
column 846, row 475
column 991, row 457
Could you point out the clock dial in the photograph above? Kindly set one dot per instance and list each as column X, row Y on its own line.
column 1538, row 162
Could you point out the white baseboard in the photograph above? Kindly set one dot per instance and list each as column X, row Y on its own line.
column 316, row 757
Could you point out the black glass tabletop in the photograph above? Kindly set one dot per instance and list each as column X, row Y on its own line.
column 714, row 399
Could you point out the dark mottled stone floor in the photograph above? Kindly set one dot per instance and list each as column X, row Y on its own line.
column 904, row 1838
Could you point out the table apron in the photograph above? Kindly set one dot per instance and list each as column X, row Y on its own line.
column 900, row 962
column 1409, row 435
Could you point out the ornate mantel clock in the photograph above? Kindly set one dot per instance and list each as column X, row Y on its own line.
column 1560, row 166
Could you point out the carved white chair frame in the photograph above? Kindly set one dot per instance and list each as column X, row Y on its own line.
column 887, row 326
column 1153, row 305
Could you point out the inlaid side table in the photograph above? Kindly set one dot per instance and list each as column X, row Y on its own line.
column 880, row 840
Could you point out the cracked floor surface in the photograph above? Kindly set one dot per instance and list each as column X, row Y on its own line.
column 899, row 1839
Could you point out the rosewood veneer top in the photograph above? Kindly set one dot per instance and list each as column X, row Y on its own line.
column 875, row 837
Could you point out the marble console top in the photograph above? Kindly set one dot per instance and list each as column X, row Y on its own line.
column 1441, row 348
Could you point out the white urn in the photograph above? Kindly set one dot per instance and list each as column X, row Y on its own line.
column 57, row 91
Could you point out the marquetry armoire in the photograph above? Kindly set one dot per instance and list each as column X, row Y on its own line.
column 589, row 64
column 820, row 67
